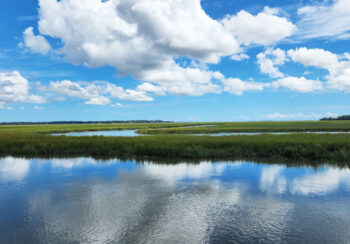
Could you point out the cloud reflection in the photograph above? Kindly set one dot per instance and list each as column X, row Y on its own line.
column 13, row 169
column 272, row 181
column 321, row 183
column 180, row 203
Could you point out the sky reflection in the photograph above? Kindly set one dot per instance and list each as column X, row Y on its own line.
column 84, row 200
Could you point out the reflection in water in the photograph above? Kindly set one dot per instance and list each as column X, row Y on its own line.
column 13, row 169
column 133, row 133
column 123, row 133
column 272, row 181
column 322, row 183
column 87, row 201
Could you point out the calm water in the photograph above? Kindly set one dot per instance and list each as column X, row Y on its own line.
column 123, row 133
column 87, row 201
column 133, row 133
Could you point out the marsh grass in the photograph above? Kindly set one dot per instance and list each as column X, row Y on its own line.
column 36, row 140
column 269, row 126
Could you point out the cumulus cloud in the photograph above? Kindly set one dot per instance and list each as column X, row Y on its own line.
column 298, row 84
column 189, row 81
column 144, row 38
column 148, row 87
column 314, row 57
column 93, row 93
column 14, row 88
column 325, row 20
column 265, row 28
column 139, row 37
column 128, row 94
column 147, row 38
column 337, row 66
column 239, row 57
column 268, row 60
column 68, row 88
column 35, row 43
column 238, row 87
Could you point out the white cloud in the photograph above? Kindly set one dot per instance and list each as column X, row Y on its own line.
column 313, row 57
column 238, row 87
column 265, row 28
column 139, row 37
column 148, row 87
column 14, row 88
column 298, row 84
column 144, row 38
column 337, row 66
column 90, row 93
column 35, row 43
column 147, row 38
column 239, row 57
column 188, row 81
column 325, row 20
column 94, row 93
column 128, row 94
column 268, row 60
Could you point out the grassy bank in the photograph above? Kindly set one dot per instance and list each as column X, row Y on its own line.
column 284, row 126
column 35, row 141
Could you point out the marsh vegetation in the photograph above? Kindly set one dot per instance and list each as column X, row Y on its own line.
column 36, row 140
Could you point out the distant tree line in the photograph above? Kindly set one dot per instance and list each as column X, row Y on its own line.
column 86, row 122
column 343, row 117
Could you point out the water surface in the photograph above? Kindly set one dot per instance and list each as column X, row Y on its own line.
column 88, row 201
column 123, row 133
column 132, row 133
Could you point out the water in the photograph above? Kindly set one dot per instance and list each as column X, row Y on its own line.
column 87, row 201
column 132, row 133
column 123, row 133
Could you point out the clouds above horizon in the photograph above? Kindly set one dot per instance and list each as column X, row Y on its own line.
column 328, row 19
column 145, row 38
column 93, row 93
column 176, row 48
column 35, row 43
column 14, row 88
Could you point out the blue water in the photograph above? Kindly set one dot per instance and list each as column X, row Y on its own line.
column 83, row 200
column 127, row 133
column 132, row 133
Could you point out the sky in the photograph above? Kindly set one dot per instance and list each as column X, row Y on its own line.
column 178, row 60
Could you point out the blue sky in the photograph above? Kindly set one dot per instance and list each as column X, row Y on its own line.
column 181, row 60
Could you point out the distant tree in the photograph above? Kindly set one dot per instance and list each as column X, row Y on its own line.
column 343, row 117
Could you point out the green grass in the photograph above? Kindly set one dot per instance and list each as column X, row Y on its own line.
column 32, row 141
column 285, row 126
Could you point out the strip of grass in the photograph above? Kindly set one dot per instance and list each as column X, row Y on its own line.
column 34, row 141
column 284, row 126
